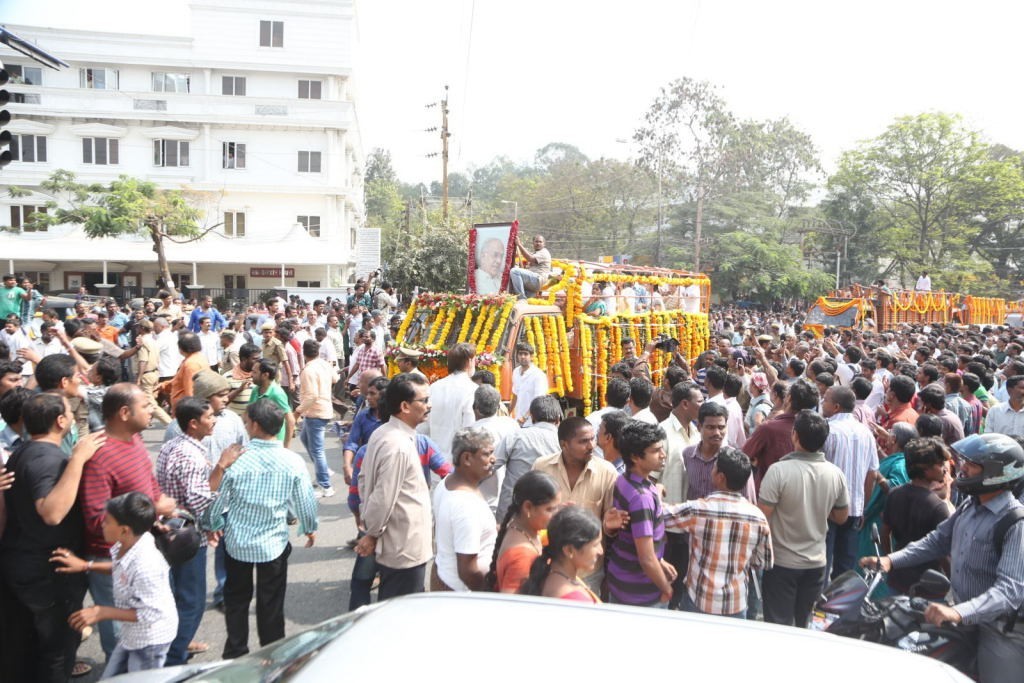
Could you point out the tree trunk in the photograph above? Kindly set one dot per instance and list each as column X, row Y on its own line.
column 161, row 259
column 697, row 226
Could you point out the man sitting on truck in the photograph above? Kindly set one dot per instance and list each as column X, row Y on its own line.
column 538, row 268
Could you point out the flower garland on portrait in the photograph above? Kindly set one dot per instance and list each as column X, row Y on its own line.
column 510, row 252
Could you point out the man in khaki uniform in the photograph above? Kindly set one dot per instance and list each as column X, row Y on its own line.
column 148, row 359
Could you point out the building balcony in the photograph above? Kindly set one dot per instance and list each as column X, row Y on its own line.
column 217, row 110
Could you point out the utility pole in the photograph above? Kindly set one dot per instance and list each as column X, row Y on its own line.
column 445, row 134
column 444, row 155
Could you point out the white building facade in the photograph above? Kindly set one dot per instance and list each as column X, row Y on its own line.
column 252, row 116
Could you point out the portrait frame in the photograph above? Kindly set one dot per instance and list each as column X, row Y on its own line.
column 481, row 241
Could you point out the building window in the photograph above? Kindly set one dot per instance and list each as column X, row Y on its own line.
column 234, row 154
column 352, row 237
column 99, row 151
column 309, row 162
column 98, row 79
column 171, row 82
column 28, row 148
column 310, row 90
column 234, row 223
column 311, row 224
column 24, row 75
column 232, row 85
column 234, row 282
column 170, row 153
column 271, row 34
column 307, row 283
column 22, row 214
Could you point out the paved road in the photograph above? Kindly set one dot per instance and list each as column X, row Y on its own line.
column 318, row 577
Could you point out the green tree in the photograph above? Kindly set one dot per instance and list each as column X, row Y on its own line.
column 432, row 257
column 761, row 268
column 686, row 142
column 929, row 187
column 127, row 206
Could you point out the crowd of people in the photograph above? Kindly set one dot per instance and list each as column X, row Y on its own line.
column 737, row 483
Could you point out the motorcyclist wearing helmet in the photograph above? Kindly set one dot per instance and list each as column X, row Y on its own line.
column 988, row 586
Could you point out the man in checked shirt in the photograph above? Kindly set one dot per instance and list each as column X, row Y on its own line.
column 728, row 537
column 182, row 468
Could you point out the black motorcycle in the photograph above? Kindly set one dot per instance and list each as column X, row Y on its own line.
column 847, row 609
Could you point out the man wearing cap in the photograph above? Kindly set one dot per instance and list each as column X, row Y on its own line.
column 406, row 360
column 273, row 348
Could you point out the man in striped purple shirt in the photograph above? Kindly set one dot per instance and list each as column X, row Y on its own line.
column 637, row 574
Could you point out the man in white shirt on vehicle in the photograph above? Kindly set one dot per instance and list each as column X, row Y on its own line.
column 528, row 382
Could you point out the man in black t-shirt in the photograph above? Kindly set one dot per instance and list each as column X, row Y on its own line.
column 912, row 511
column 35, row 600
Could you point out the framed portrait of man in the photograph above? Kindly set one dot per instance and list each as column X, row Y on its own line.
column 492, row 248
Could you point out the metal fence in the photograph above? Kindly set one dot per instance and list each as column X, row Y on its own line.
column 223, row 298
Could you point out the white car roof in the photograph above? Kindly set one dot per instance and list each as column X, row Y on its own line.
column 470, row 637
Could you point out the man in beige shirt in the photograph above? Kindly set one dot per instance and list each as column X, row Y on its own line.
column 395, row 505
column 583, row 479
column 316, row 410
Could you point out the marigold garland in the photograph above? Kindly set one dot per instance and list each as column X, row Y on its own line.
column 465, row 327
column 586, row 362
column 585, row 359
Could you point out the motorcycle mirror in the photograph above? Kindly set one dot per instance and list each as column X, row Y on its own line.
column 932, row 582
column 876, row 538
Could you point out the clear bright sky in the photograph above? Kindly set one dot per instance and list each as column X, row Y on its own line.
column 527, row 72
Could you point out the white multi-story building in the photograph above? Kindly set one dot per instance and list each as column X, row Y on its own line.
column 252, row 115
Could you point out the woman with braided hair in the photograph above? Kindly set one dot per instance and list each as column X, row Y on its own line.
column 573, row 549
column 535, row 499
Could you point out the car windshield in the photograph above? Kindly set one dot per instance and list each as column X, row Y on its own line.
column 281, row 660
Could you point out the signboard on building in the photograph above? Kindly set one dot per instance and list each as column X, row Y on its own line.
column 271, row 272
column 367, row 251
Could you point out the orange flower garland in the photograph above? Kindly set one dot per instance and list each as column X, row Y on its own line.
column 563, row 356
column 587, row 361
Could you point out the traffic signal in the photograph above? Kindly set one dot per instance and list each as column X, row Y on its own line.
column 5, row 118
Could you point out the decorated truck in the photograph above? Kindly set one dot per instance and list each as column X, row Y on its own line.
column 889, row 308
column 574, row 348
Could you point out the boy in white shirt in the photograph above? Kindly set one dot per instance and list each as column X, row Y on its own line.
column 142, row 588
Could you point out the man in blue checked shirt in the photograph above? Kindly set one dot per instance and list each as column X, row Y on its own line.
column 260, row 487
